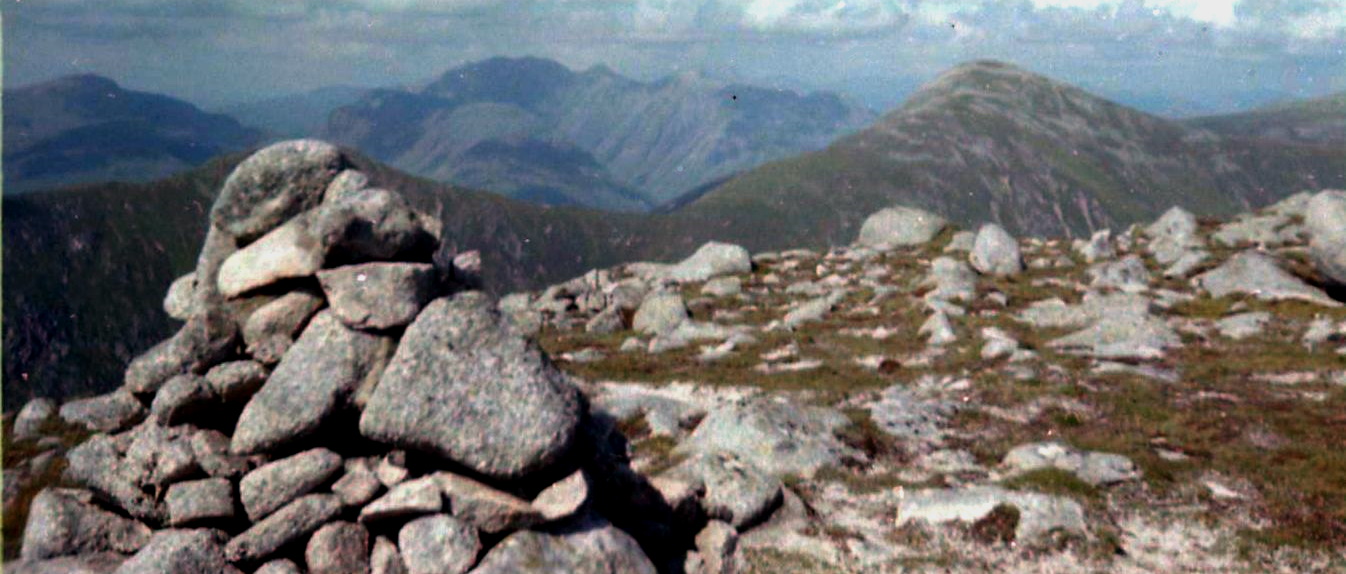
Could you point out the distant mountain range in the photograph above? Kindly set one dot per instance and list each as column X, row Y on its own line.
column 985, row 141
column 602, row 140
column 88, row 129
column 294, row 115
column 1319, row 120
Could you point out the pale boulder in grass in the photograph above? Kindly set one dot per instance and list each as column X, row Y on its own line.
column 712, row 260
column 899, row 227
column 1325, row 219
column 996, row 252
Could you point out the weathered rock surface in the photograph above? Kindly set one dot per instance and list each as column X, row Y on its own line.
column 995, row 252
column 379, row 295
column 712, row 260
column 461, row 366
column 1258, row 275
column 112, row 412
column 438, row 544
column 180, row 552
column 900, row 226
column 275, row 484
column 273, row 185
column 590, row 547
column 1325, row 222
column 338, row 548
column 779, row 437
column 63, row 522
column 293, row 522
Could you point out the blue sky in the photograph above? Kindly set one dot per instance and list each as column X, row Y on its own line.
column 1170, row 56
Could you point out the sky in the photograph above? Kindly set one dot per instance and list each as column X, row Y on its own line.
column 1177, row 57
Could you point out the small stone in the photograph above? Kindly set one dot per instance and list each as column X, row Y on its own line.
column 659, row 313
column 33, row 417
column 293, row 522
column 736, row 491
column 491, row 510
column 273, row 185
column 995, row 252
column 420, row 496
column 181, row 399
column 275, row 484
column 270, row 330
column 179, row 303
column 200, row 344
column 357, row 487
column 723, row 287
column 279, row 566
column 712, row 259
column 236, row 381
column 438, row 544
column 938, row 330
column 379, row 295
column 338, row 548
column 385, row 558
column 590, row 547
column 1243, row 325
column 716, row 544
column 200, row 500
column 564, row 498
column 108, row 413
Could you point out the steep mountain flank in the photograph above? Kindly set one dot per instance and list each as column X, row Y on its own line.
column 989, row 141
column 1320, row 120
column 657, row 139
column 87, row 128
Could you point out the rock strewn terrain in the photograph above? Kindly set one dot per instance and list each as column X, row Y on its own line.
column 1164, row 398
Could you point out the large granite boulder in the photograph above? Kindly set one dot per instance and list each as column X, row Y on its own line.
column 900, row 226
column 1325, row 220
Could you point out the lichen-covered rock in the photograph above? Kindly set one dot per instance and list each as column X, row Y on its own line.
column 180, row 301
column 200, row 344
column 1258, row 275
column 236, row 381
column 65, row 521
column 461, row 366
column 780, row 437
column 270, row 330
column 378, row 295
column 1039, row 514
column 1325, row 221
column 290, row 251
column 736, row 491
column 660, row 313
column 317, row 377
column 900, row 226
column 200, row 500
column 273, row 185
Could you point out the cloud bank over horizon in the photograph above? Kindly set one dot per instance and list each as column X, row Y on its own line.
column 1169, row 56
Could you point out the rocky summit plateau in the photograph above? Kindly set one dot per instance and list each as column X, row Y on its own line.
column 342, row 397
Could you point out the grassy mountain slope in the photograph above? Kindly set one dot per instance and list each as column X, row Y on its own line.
column 988, row 141
column 1320, row 120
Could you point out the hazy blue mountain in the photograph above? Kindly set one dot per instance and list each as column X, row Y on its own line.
column 87, row 128
column 658, row 139
column 294, row 115
column 1318, row 120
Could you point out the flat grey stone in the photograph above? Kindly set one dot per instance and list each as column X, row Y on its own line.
column 200, row 500
column 723, row 287
column 199, row 345
column 64, row 521
column 290, row 251
column 180, row 301
column 1039, row 514
column 493, row 511
column 1243, row 325
column 345, row 184
column 358, row 486
column 712, row 259
column 293, row 522
column 275, row 484
column 279, row 566
column 112, row 412
column 34, row 415
column 563, row 498
column 1258, row 275
column 461, row 366
column 438, row 544
column 716, row 544
column 318, row 376
column 899, row 226
column 1325, row 222
column 1127, row 274
column 778, row 436
column 1096, row 468
column 591, row 547
column 211, row 450
column 94, row 563
column 410, row 498
column 379, row 295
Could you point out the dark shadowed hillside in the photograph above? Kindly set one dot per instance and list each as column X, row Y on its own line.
column 1320, row 120
column 80, row 129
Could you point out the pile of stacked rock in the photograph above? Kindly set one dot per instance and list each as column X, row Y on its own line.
column 339, row 401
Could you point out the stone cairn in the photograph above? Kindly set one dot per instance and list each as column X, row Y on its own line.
column 339, row 400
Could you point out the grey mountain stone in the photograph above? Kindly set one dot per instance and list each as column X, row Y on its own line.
column 318, row 376
column 180, row 552
column 273, row 185
column 736, row 491
column 812, row 311
column 290, row 251
column 346, row 184
column 200, row 344
column 460, row 365
column 410, row 498
column 111, row 412
column 34, row 415
column 293, row 522
column 279, row 566
column 716, row 544
column 953, row 280
column 338, row 548
column 374, row 225
column 275, row 484
column 1325, row 222
column 65, row 521
column 358, row 485
column 182, row 398
column 995, row 252
column 1096, row 468
column 200, row 500
column 900, row 226
column 961, row 241
column 591, row 547
column 385, row 558
column 1258, row 275
column 723, row 287
column 1243, row 325
column 491, row 510
column 605, row 322
column 1174, row 233
column 211, row 450
column 1039, row 514
column 271, row 329
column 712, row 259
column 780, row 437
column 1121, row 336
column 1098, row 247
column 1127, row 274
column 236, row 381
column 563, row 498
column 379, row 295
column 92, row 563
column 438, row 544
column 180, row 301
column 1186, row 263
column 938, row 330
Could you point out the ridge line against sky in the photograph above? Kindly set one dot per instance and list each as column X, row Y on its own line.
column 1189, row 56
